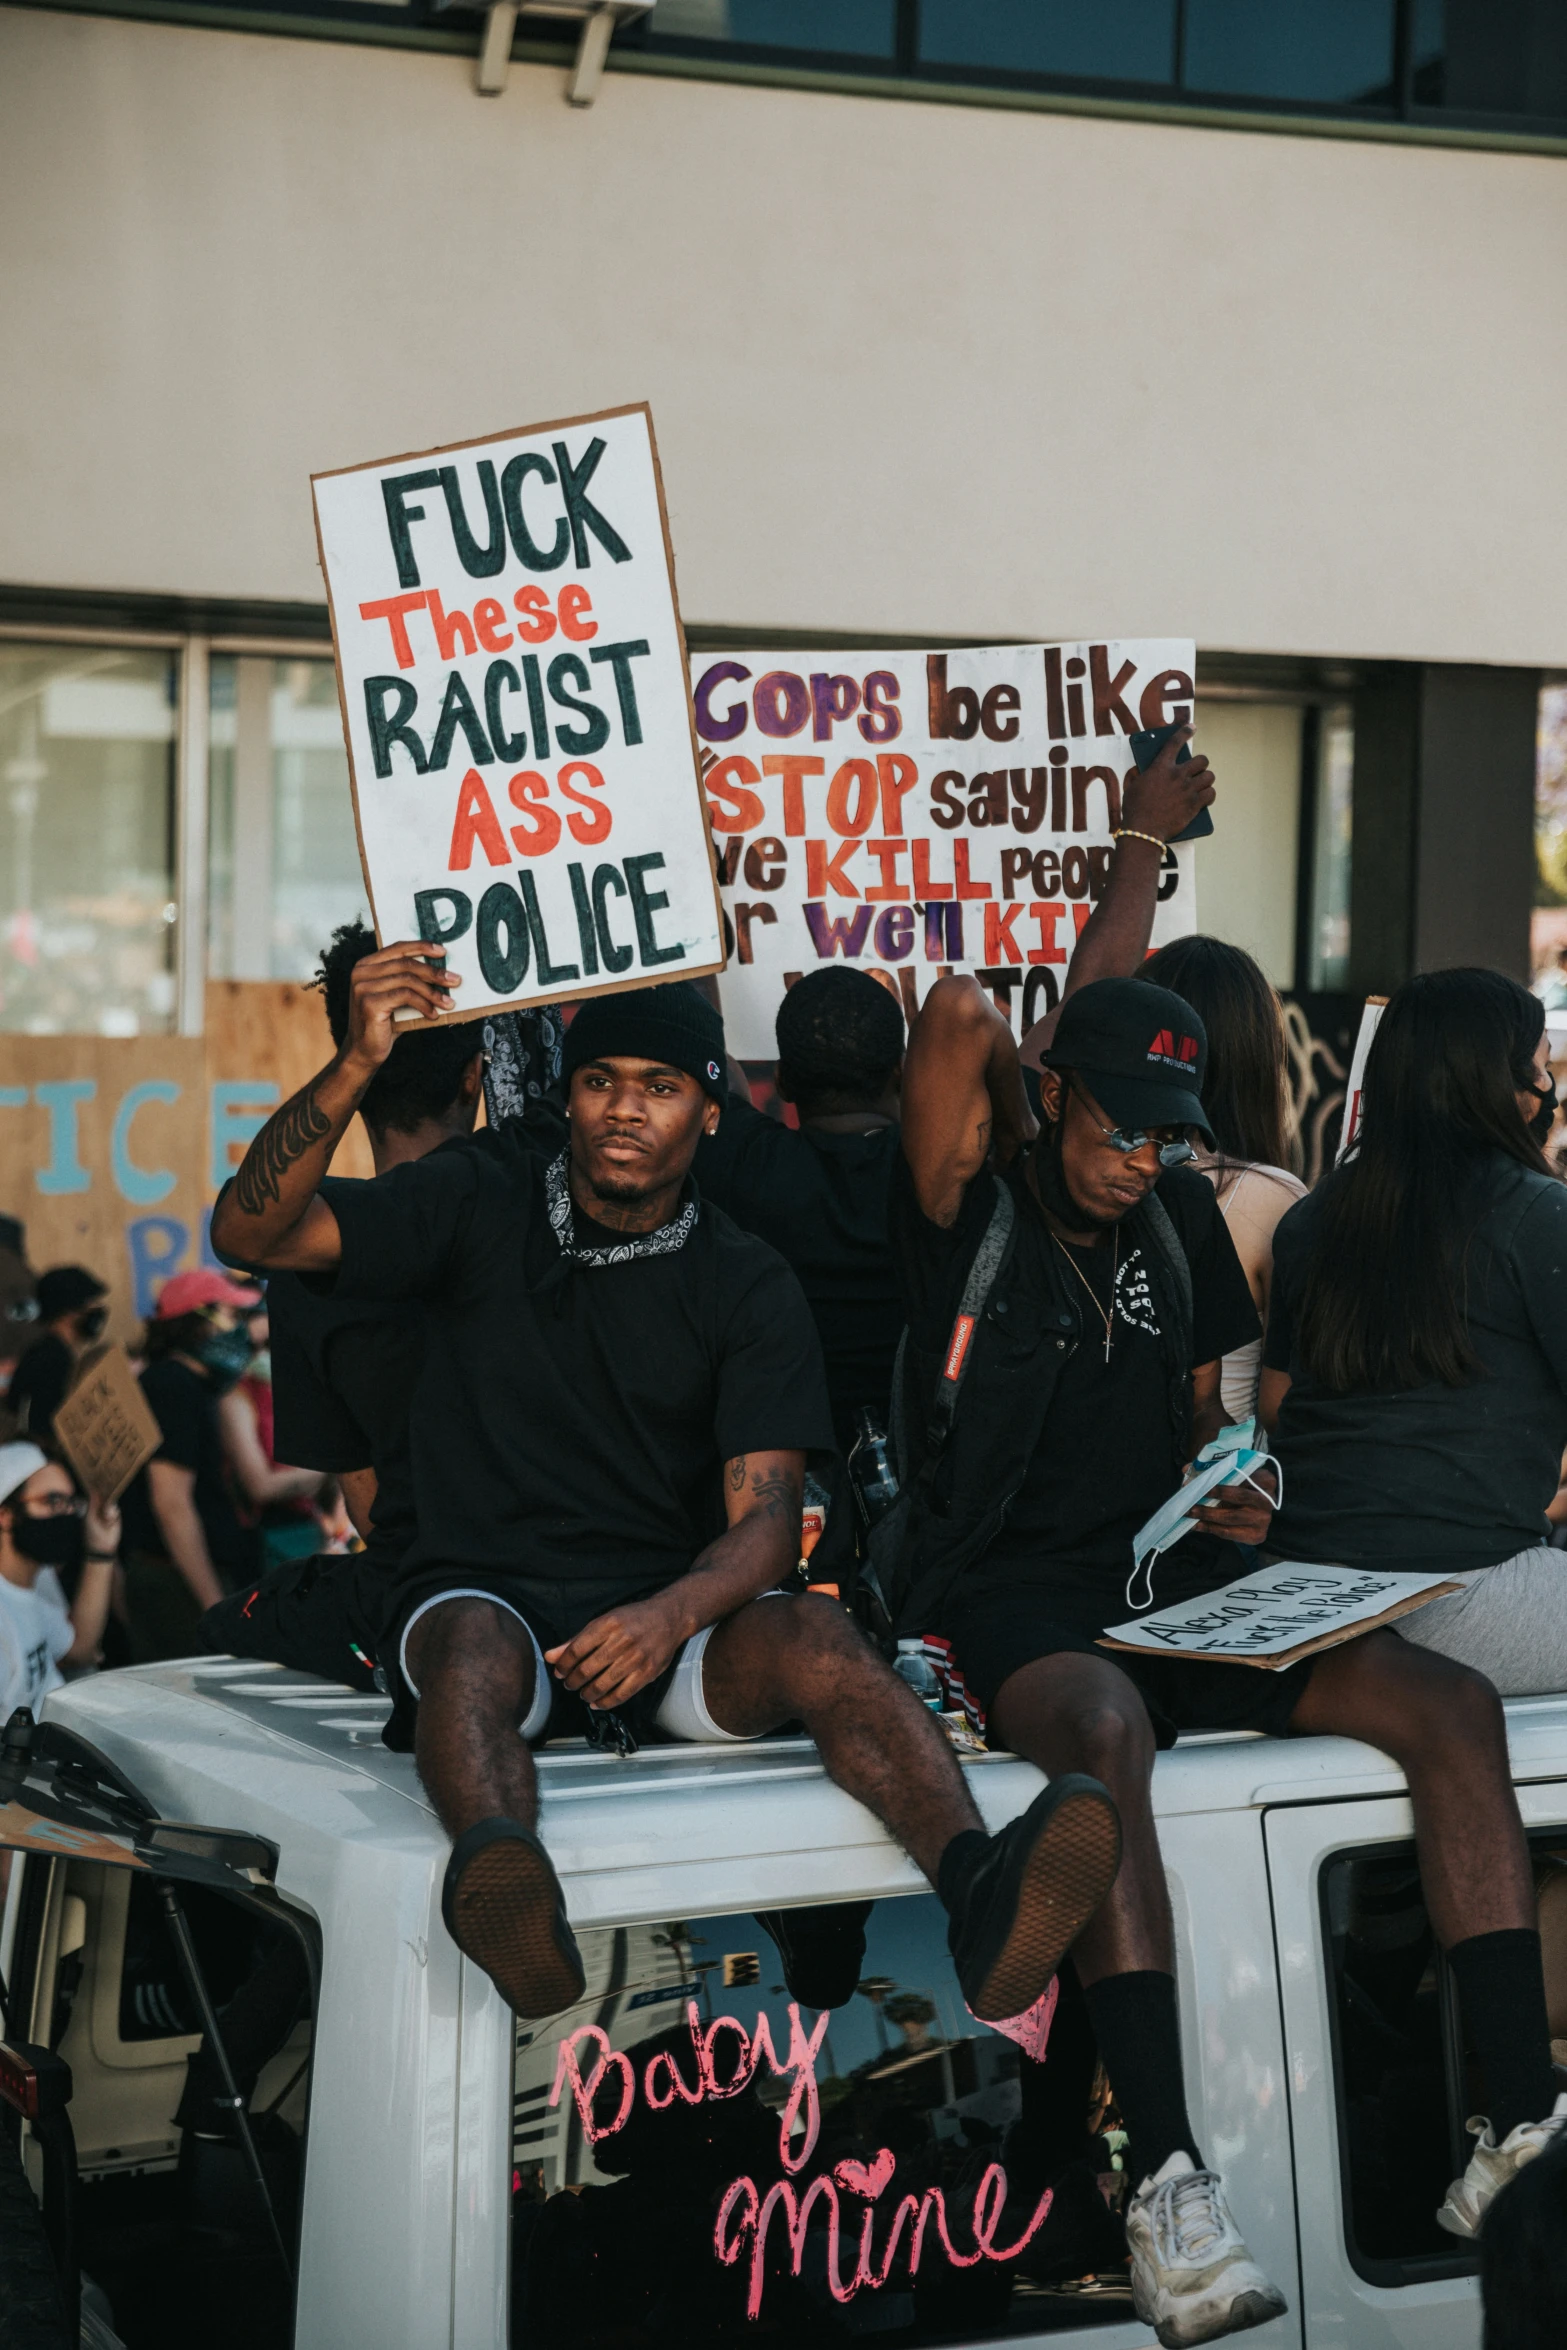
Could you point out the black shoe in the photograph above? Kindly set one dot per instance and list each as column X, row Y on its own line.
column 822, row 1949
column 504, row 1908
column 1022, row 1901
column 1081, row 2236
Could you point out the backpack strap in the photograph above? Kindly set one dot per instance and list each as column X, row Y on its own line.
column 976, row 1291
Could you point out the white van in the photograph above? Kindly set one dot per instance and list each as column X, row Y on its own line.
column 442, row 2178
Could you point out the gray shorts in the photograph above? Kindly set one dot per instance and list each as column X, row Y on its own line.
column 1509, row 1622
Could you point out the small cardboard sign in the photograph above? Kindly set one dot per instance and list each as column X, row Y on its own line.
column 517, row 710
column 105, row 1426
column 1278, row 1615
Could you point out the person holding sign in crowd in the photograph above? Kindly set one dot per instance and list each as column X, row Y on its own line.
column 1090, row 1376
column 72, row 1317
column 610, row 1431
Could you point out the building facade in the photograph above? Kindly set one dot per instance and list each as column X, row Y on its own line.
column 959, row 324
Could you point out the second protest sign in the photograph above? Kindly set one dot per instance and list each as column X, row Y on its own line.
column 517, row 710
column 914, row 813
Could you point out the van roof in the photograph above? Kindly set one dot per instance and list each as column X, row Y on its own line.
column 283, row 1754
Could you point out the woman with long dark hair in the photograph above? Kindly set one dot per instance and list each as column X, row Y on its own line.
column 1416, row 1356
column 1246, row 1095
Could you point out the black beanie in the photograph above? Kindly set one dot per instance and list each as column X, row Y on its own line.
column 673, row 1023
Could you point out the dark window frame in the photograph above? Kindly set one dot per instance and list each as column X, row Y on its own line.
column 455, row 26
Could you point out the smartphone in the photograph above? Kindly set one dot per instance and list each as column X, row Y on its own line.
column 1145, row 749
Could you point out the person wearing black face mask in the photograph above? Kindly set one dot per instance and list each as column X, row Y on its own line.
column 45, row 1534
column 184, row 1544
column 72, row 1316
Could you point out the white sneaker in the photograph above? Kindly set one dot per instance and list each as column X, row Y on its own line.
column 1192, row 2276
column 1492, row 2166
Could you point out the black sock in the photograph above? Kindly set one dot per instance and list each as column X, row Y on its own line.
column 1139, row 2035
column 967, row 1846
column 1501, row 1995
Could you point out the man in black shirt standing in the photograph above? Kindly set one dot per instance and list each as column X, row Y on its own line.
column 1091, row 1378
column 609, row 1437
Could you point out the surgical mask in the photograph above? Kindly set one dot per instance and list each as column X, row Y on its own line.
column 225, row 1354
column 90, row 1325
column 49, row 1542
column 1545, row 1116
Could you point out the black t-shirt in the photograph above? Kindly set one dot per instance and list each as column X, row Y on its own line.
column 38, row 1385
column 1107, row 1456
column 343, row 1375
column 570, row 1421
column 820, row 1200
column 186, row 1410
column 1445, row 1478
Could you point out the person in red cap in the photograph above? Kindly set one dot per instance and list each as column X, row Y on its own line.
column 184, row 1546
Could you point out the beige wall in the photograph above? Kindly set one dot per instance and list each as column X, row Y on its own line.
column 917, row 369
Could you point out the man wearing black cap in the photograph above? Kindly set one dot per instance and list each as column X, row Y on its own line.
column 609, row 1436
column 1090, row 1377
column 71, row 1315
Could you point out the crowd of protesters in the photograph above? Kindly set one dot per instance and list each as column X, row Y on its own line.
column 519, row 1432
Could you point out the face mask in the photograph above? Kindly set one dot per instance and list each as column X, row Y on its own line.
column 261, row 1366
column 225, row 1354
column 48, row 1542
column 91, row 1324
column 1545, row 1116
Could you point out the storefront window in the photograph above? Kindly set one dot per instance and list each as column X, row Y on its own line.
column 1338, row 52
column 1118, row 40
column 87, row 934
column 283, row 858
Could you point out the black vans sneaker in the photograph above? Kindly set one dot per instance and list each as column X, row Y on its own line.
column 504, row 1909
column 1024, row 1895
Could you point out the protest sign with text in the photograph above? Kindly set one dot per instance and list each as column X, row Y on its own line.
column 517, row 711
column 914, row 813
column 1279, row 1614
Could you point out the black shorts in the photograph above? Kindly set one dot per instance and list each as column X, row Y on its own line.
column 671, row 1707
column 994, row 1634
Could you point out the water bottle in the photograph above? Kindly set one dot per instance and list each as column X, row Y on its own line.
column 870, row 1470
column 911, row 1664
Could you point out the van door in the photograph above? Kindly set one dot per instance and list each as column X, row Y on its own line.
column 158, row 1999
column 1380, row 2078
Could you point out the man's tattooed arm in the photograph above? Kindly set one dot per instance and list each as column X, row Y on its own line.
column 777, row 1490
column 285, row 1138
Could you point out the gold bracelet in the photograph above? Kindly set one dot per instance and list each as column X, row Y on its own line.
column 1126, row 833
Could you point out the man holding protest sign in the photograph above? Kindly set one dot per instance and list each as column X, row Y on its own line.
column 1090, row 1377
column 609, row 1440
column 818, row 1193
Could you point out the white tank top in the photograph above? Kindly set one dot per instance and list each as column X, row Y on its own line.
column 1240, row 1373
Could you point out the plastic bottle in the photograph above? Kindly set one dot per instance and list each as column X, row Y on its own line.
column 870, row 1470
column 911, row 1664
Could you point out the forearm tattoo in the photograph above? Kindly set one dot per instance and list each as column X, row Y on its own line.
column 777, row 1492
column 737, row 1473
column 296, row 1128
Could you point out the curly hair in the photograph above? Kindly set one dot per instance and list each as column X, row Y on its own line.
column 422, row 1075
column 840, row 1038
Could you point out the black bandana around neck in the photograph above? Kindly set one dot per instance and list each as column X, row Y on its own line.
column 662, row 1243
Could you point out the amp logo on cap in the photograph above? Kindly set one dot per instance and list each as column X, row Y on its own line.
column 1177, row 1052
